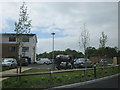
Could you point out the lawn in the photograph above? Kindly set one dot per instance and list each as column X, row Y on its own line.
column 48, row 81
column 4, row 68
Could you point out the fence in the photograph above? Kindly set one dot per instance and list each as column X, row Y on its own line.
column 55, row 78
column 54, row 72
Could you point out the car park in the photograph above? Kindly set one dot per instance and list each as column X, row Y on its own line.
column 82, row 62
column 9, row 62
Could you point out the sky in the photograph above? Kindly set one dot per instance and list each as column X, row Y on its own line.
column 66, row 19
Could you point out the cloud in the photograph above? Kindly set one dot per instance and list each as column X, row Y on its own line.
column 66, row 20
column 45, row 45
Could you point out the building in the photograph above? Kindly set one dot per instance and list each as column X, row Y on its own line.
column 98, row 58
column 116, row 60
column 10, row 46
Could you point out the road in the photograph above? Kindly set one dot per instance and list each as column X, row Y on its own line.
column 112, row 82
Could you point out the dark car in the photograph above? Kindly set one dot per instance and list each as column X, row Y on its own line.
column 63, row 65
column 82, row 62
column 24, row 62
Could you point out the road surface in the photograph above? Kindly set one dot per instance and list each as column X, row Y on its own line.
column 112, row 82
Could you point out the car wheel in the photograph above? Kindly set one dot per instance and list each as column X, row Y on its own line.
column 11, row 66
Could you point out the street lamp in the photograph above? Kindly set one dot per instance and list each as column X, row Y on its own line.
column 53, row 50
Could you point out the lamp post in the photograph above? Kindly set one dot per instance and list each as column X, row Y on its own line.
column 53, row 50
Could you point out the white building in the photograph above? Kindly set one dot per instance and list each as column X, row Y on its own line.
column 10, row 46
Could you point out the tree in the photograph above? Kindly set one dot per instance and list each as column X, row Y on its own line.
column 107, row 51
column 23, row 26
column 91, row 51
column 85, row 39
column 85, row 42
column 103, row 40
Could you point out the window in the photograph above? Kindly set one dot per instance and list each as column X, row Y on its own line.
column 12, row 39
column 25, row 39
column 11, row 49
column 25, row 49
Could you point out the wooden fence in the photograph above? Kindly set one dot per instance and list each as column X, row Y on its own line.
column 52, row 72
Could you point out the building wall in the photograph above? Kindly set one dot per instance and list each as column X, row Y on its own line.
column 31, row 44
column 94, row 59
column 97, row 58
column 6, row 53
column 0, row 46
column 116, row 60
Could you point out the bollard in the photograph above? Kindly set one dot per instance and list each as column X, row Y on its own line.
column 94, row 70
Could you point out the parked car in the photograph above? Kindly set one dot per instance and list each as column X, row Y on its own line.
column 82, row 62
column 9, row 62
column 48, row 62
column 24, row 62
column 103, row 62
column 63, row 65
column 43, row 61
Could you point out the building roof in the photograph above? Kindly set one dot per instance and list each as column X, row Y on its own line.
column 19, row 34
column 15, row 34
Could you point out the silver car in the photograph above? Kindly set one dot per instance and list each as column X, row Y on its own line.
column 9, row 62
column 43, row 61
column 103, row 62
column 82, row 62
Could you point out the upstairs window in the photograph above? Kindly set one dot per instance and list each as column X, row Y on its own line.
column 11, row 49
column 12, row 39
column 25, row 49
column 25, row 39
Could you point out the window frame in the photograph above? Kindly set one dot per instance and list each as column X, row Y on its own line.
column 26, row 49
column 12, row 39
column 25, row 39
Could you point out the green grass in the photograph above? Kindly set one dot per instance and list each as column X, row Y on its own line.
column 36, row 70
column 47, row 81
column 5, row 68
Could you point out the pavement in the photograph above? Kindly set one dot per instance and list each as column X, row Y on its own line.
column 24, row 68
column 12, row 71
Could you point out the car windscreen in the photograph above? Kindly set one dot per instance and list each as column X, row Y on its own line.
column 82, row 60
column 7, row 60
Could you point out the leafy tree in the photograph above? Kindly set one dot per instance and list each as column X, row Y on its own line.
column 107, row 51
column 91, row 51
column 66, row 52
column 103, row 40
column 23, row 26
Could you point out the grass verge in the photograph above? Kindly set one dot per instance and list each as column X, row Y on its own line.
column 48, row 81
column 5, row 68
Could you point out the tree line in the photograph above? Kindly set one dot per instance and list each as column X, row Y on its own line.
column 89, row 52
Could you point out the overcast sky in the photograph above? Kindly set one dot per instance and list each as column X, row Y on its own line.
column 66, row 19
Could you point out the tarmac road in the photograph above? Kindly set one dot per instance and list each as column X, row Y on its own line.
column 109, row 82
column 112, row 82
